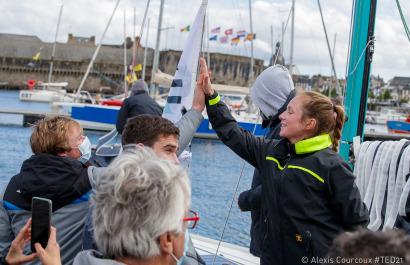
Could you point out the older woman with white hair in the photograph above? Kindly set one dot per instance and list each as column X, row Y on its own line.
column 141, row 212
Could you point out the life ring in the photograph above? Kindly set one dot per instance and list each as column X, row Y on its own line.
column 31, row 83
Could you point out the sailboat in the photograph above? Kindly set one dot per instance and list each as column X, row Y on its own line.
column 49, row 92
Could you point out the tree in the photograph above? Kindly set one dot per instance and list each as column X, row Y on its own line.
column 387, row 94
column 371, row 94
column 333, row 93
column 325, row 92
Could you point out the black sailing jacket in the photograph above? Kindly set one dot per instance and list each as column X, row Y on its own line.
column 309, row 189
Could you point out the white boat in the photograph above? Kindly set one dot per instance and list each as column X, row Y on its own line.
column 102, row 117
column 51, row 92
column 387, row 114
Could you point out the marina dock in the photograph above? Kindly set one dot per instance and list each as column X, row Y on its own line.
column 29, row 116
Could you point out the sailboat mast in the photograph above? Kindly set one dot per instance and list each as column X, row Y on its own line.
column 156, row 53
column 96, row 52
column 292, row 34
column 145, row 53
column 125, row 60
column 250, row 17
column 54, row 47
column 339, row 91
column 358, row 75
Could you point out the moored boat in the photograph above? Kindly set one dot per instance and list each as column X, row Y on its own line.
column 399, row 126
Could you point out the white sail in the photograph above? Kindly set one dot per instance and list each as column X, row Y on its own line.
column 183, row 85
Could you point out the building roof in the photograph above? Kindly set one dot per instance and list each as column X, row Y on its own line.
column 19, row 37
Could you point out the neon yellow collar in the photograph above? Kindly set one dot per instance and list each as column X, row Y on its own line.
column 313, row 144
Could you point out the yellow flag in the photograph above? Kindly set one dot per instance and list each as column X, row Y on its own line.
column 129, row 80
column 36, row 56
column 138, row 67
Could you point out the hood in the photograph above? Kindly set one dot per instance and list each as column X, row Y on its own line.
column 58, row 178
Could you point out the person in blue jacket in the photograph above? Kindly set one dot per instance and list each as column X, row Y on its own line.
column 57, row 171
column 138, row 103
column 272, row 91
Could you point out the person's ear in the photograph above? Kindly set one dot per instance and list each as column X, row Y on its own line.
column 140, row 144
column 165, row 243
column 310, row 124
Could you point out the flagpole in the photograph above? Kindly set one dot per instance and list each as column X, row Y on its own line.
column 207, row 33
column 291, row 40
column 145, row 53
column 125, row 59
column 250, row 16
column 156, row 53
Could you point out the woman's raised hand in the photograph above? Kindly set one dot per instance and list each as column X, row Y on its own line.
column 205, row 78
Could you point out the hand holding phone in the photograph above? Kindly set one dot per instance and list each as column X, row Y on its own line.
column 41, row 221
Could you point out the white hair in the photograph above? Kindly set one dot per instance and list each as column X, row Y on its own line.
column 140, row 198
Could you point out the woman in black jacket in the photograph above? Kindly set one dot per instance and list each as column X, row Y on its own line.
column 307, row 187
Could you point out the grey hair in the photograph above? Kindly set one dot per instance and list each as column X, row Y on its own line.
column 140, row 198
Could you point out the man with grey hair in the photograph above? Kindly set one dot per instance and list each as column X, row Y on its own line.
column 141, row 206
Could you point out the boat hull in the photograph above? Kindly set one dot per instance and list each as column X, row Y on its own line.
column 103, row 118
column 398, row 127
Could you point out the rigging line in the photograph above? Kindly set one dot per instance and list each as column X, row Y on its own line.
column 106, row 78
column 370, row 41
column 283, row 36
column 314, row 43
column 229, row 231
column 348, row 54
column 137, row 46
column 403, row 20
column 233, row 199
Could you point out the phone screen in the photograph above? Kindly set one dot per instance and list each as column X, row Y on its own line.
column 41, row 221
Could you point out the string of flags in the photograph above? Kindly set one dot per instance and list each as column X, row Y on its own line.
column 234, row 40
column 224, row 39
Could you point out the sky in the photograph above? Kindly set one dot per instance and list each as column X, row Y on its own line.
column 85, row 18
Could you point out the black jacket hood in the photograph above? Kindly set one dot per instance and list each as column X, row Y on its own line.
column 58, row 178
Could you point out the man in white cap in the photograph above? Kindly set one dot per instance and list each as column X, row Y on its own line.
column 272, row 92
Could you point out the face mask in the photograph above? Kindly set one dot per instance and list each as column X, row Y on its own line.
column 85, row 149
column 179, row 261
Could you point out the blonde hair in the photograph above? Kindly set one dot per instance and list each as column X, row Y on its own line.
column 51, row 135
column 321, row 108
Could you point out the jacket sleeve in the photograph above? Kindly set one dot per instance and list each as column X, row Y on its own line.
column 122, row 117
column 188, row 124
column 6, row 233
column 250, row 200
column 345, row 197
column 239, row 140
column 95, row 173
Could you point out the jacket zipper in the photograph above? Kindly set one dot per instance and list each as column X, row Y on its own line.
column 266, row 232
column 310, row 246
column 280, row 213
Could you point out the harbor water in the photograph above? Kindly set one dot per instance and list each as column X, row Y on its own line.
column 214, row 173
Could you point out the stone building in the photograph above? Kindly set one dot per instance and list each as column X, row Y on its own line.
column 71, row 61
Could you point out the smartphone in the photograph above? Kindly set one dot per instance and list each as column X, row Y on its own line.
column 40, row 221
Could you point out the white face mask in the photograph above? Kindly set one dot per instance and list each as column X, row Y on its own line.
column 179, row 261
column 85, row 149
